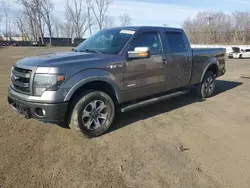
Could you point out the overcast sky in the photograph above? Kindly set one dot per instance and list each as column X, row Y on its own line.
column 159, row 12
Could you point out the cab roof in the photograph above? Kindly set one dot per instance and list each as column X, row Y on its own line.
column 137, row 28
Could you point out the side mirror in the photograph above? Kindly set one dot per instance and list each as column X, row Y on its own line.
column 139, row 53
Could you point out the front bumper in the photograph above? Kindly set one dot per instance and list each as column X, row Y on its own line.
column 54, row 113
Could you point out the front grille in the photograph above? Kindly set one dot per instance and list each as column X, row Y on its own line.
column 21, row 79
column 22, row 70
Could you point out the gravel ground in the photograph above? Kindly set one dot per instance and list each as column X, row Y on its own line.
column 182, row 142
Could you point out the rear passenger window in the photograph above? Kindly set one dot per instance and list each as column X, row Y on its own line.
column 150, row 40
column 175, row 42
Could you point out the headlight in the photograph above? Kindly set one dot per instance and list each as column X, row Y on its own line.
column 46, row 82
column 11, row 73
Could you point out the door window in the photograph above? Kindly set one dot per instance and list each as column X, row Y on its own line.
column 150, row 40
column 175, row 42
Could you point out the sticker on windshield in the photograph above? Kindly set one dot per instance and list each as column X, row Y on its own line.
column 130, row 32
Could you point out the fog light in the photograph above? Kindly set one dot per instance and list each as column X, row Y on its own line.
column 40, row 112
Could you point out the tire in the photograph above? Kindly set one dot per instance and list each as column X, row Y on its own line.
column 240, row 57
column 206, row 88
column 92, row 113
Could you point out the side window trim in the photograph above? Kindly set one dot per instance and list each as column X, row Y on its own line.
column 168, row 45
column 161, row 43
column 159, row 37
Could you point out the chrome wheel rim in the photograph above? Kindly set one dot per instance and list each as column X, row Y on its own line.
column 209, row 86
column 94, row 115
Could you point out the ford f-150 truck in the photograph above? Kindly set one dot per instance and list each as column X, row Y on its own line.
column 117, row 69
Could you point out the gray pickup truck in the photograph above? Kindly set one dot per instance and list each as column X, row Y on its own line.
column 116, row 69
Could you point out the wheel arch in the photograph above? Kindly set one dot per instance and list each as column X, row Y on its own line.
column 98, row 85
column 96, row 80
column 213, row 67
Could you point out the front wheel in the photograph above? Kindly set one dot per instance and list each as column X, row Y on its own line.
column 207, row 87
column 93, row 113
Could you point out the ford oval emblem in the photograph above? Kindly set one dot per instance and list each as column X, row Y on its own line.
column 15, row 77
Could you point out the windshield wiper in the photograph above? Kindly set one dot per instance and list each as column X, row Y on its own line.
column 90, row 50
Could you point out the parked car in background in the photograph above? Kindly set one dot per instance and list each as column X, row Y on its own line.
column 244, row 54
column 34, row 43
column 239, row 53
column 235, row 52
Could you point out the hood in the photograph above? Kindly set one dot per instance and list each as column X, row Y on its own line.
column 236, row 50
column 56, row 59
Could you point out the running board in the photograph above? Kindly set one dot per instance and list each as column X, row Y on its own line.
column 151, row 101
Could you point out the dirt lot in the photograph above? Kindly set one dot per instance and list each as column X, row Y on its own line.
column 143, row 149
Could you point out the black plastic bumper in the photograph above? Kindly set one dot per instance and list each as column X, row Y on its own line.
column 54, row 113
column 221, row 72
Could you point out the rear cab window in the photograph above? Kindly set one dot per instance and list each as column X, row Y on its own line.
column 175, row 42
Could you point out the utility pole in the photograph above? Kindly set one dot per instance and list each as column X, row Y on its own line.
column 209, row 18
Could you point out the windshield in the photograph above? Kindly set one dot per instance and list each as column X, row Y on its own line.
column 109, row 41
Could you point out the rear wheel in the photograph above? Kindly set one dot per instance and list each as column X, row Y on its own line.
column 240, row 57
column 92, row 113
column 207, row 87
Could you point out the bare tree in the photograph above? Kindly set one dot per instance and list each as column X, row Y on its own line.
column 6, row 11
column 62, row 29
column 75, row 12
column 57, row 29
column 90, row 19
column 47, row 8
column 99, row 9
column 125, row 20
column 68, row 30
column 241, row 26
column 22, row 25
column 1, row 18
column 109, row 22
column 67, row 27
column 219, row 28
column 34, row 11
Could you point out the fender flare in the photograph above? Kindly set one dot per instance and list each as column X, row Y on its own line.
column 207, row 67
column 92, row 75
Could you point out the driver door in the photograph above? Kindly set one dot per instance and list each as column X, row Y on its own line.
column 146, row 76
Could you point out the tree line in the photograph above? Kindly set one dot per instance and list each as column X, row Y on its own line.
column 36, row 19
column 219, row 28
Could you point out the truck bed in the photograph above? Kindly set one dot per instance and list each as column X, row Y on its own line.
column 201, row 59
column 208, row 51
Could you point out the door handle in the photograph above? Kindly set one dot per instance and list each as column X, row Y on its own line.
column 164, row 61
column 188, row 58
